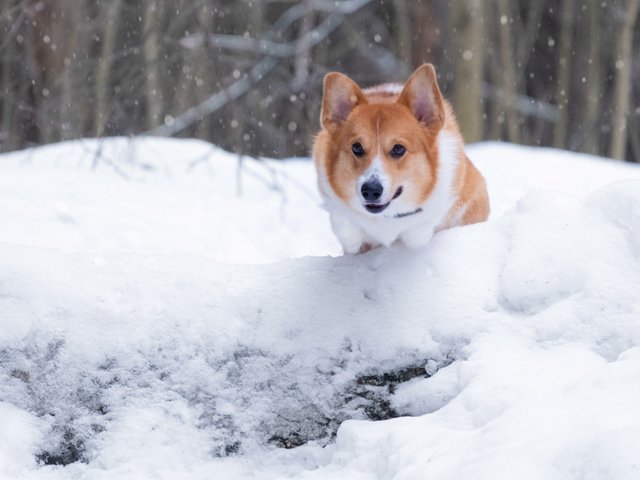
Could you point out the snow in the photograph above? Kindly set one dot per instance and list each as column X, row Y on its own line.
column 157, row 320
column 159, row 197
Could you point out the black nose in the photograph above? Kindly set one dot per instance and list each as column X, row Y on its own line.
column 372, row 190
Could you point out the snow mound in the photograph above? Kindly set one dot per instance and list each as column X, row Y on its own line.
column 161, row 196
column 508, row 349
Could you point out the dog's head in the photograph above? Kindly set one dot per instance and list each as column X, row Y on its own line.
column 381, row 150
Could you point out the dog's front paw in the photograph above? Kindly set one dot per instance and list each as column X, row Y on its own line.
column 350, row 236
column 366, row 246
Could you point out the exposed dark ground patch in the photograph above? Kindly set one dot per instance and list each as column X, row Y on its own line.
column 298, row 403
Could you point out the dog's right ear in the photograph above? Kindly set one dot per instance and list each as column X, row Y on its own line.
column 340, row 96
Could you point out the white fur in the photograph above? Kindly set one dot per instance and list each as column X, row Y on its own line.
column 353, row 225
column 376, row 171
column 392, row 88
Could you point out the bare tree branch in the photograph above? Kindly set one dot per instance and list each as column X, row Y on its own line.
column 259, row 71
column 525, row 105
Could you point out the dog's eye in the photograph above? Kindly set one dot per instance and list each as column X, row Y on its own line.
column 398, row 150
column 357, row 149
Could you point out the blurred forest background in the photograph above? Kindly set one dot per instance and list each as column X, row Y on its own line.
column 247, row 74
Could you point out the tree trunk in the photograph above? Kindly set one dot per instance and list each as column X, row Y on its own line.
column 68, row 92
column 41, row 67
column 469, row 67
column 563, row 72
column 634, row 137
column 103, row 86
column 204, row 68
column 509, row 78
column 302, row 60
column 404, row 32
column 530, row 31
column 7, row 140
column 153, row 91
column 622, row 83
column 593, row 80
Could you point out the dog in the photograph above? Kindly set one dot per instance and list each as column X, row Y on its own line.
column 391, row 164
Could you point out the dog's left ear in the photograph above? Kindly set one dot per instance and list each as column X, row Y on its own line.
column 422, row 96
column 340, row 96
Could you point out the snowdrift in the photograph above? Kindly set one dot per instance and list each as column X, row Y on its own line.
column 133, row 343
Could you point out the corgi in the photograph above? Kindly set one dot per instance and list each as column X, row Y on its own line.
column 391, row 164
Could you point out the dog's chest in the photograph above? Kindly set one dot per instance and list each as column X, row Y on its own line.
column 378, row 230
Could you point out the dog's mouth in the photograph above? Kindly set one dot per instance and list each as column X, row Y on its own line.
column 378, row 208
column 374, row 208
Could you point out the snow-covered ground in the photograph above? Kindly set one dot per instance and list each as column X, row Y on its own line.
column 168, row 312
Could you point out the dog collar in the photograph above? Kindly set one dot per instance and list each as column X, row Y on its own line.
column 404, row 214
column 407, row 214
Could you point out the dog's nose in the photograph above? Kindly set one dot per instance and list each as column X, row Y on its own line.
column 371, row 190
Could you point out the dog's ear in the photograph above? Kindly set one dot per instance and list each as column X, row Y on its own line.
column 422, row 96
column 340, row 96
